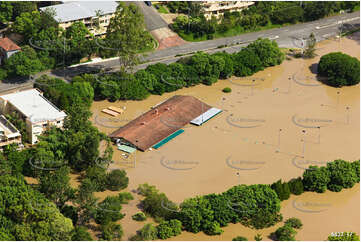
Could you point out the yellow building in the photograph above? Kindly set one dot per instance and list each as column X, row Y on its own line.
column 90, row 13
column 218, row 8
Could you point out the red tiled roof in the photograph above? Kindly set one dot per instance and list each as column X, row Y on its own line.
column 8, row 45
column 161, row 121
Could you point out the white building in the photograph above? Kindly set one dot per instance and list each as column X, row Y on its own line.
column 85, row 11
column 38, row 112
column 8, row 133
column 218, row 8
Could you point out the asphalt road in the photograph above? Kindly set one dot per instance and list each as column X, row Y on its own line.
column 285, row 37
column 151, row 17
column 289, row 36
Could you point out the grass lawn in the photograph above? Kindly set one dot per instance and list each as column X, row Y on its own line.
column 237, row 30
column 161, row 8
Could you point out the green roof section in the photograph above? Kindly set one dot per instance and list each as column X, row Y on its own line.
column 169, row 138
column 126, row 148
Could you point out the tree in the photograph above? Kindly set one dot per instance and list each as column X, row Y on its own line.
column 246, row 62
column 316, row 179
column 285, row 233
column 356, row 167
column 294, row 223
column 24, row 63
column 342, row 175
column 127, row 35
column 268, row 52
column 111, row 231
column 310, row 47
column 81, row 234
column 109, row 210
column 56, row 187
column 6, row 12
column 85, row 201
column 282, row 190
column 23, row 7
column 98, row 176
column 27, row 24
column 339, row 69
column 26, row 214
column 117, row 180
column 296, row 186
column 148, row 232
column 167, row 229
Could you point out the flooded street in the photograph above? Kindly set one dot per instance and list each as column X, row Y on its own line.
column 268, row 122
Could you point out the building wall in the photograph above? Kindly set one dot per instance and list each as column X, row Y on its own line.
column 35, row 128
column 217, row 8
column 4, row 141
column 104, row 21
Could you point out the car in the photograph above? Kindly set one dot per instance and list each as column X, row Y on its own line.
column 149, row 3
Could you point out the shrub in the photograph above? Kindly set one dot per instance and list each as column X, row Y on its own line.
column 240, row 238
column 285, row 233
column 125, row 197
column 356, row 167
column 213, row 228
column 81, row 234
column 296, row 186
column 282, row 190
column 294, row 223
column 111, row 231
column 167, row 229
column 148, row 232
column 342, row 175
column 316, row 179
column 227, row 89
column 258, row 237
column 117, row 180
column 340, row 69
column 98, row 176
column 109, row 210
column 139, row 217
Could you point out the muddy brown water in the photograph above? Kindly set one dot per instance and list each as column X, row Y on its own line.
column 244, row 144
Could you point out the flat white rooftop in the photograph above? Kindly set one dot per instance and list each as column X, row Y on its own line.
column 204, row 117
column 34, row 106
column 75, row 10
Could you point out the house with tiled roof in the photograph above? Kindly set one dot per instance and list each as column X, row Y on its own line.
column 7, row 48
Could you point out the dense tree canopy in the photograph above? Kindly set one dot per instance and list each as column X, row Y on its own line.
column 25, row 214
column 339, row 69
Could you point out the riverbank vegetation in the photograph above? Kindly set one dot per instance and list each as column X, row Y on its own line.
column 260, row 16
column 255, row 206
column 339, row 69
column 200, row 68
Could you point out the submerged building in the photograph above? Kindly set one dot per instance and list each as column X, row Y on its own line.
column 163, row 122
column 34, row 109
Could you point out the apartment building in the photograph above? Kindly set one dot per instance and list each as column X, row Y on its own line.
column 90, row 13
column 217, row 8
column 32, row 107
column 8, row 133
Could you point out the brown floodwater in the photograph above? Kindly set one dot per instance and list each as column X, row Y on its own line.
column 269, row 122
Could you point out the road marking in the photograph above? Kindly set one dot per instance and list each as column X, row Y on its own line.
column 336, row 23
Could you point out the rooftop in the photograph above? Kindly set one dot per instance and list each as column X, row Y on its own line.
column 161, row 121
column 34, row 106
column 7, row 128
column 8, row 45
column 75, row 10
